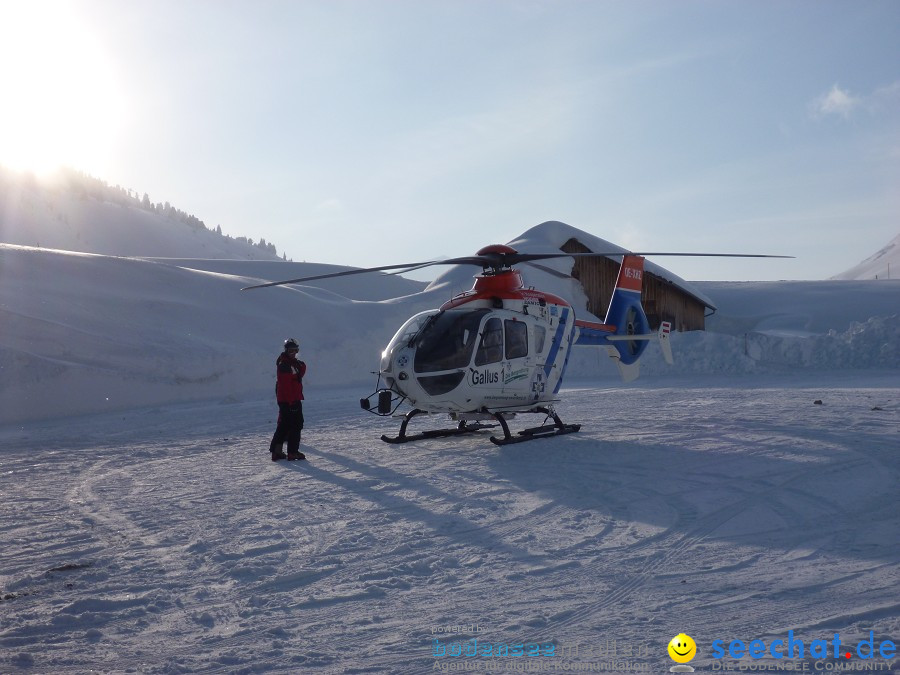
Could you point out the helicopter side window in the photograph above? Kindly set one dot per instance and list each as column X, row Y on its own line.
column 516, row 339
column 491, row 348
column 540, row 335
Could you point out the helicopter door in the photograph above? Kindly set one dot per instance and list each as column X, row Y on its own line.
column 502, row 360
column 489, row 357
column 516, row 370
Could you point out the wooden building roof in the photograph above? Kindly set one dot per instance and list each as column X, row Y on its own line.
column 663, row 298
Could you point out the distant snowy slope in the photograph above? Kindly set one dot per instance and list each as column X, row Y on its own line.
column 76, row 213
column 83, row 333
column 884, row 264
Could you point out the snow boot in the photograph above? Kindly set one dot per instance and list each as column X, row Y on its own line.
column 278, row 454
column 295, row 455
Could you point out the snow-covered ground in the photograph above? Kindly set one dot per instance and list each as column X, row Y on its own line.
column 164, row 540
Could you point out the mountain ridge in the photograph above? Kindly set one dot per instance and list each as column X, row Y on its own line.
column 878, row 265
column 70, row 210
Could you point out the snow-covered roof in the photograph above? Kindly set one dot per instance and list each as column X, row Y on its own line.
column 551, row 235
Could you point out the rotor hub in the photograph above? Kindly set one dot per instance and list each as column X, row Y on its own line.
column 494, row 258
column 496, row 248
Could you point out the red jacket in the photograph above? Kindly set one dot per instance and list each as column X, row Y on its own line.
column 289, row 385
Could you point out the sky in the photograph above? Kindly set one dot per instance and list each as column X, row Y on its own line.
column 372, row 132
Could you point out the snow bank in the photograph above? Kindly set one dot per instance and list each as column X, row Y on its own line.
column 870, row 345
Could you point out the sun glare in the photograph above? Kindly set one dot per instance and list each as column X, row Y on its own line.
column 59, row 100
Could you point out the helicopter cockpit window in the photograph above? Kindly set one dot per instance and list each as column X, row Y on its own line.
column 447, row 340
column 491, row 348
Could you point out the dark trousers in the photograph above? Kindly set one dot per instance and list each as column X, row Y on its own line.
column 290, row 424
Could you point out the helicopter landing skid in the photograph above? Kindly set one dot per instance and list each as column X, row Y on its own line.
column 558, row 428
column 463, row 427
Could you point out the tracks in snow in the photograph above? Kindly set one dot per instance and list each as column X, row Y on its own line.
column 171, row 548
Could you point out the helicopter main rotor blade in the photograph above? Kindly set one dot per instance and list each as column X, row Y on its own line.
column 695, row 255
column 411, row 269
column 549, row 270
column 345, row 273
column 406, row 267
column 502, row 260
column 527, row 257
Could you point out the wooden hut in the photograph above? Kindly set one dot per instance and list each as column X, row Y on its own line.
column 665, row 297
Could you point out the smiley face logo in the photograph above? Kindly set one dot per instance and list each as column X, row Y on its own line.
column 682, row 648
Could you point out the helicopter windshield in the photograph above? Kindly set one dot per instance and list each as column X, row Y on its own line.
column 407, row 332
column 448, row 340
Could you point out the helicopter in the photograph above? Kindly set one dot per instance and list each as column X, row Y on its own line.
column 501, row 349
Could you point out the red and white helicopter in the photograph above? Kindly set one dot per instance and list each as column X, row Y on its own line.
column 500, row 348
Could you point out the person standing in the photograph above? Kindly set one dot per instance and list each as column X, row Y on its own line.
column 289, row 394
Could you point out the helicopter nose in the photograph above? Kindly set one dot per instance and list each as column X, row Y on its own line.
column 394, row 371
